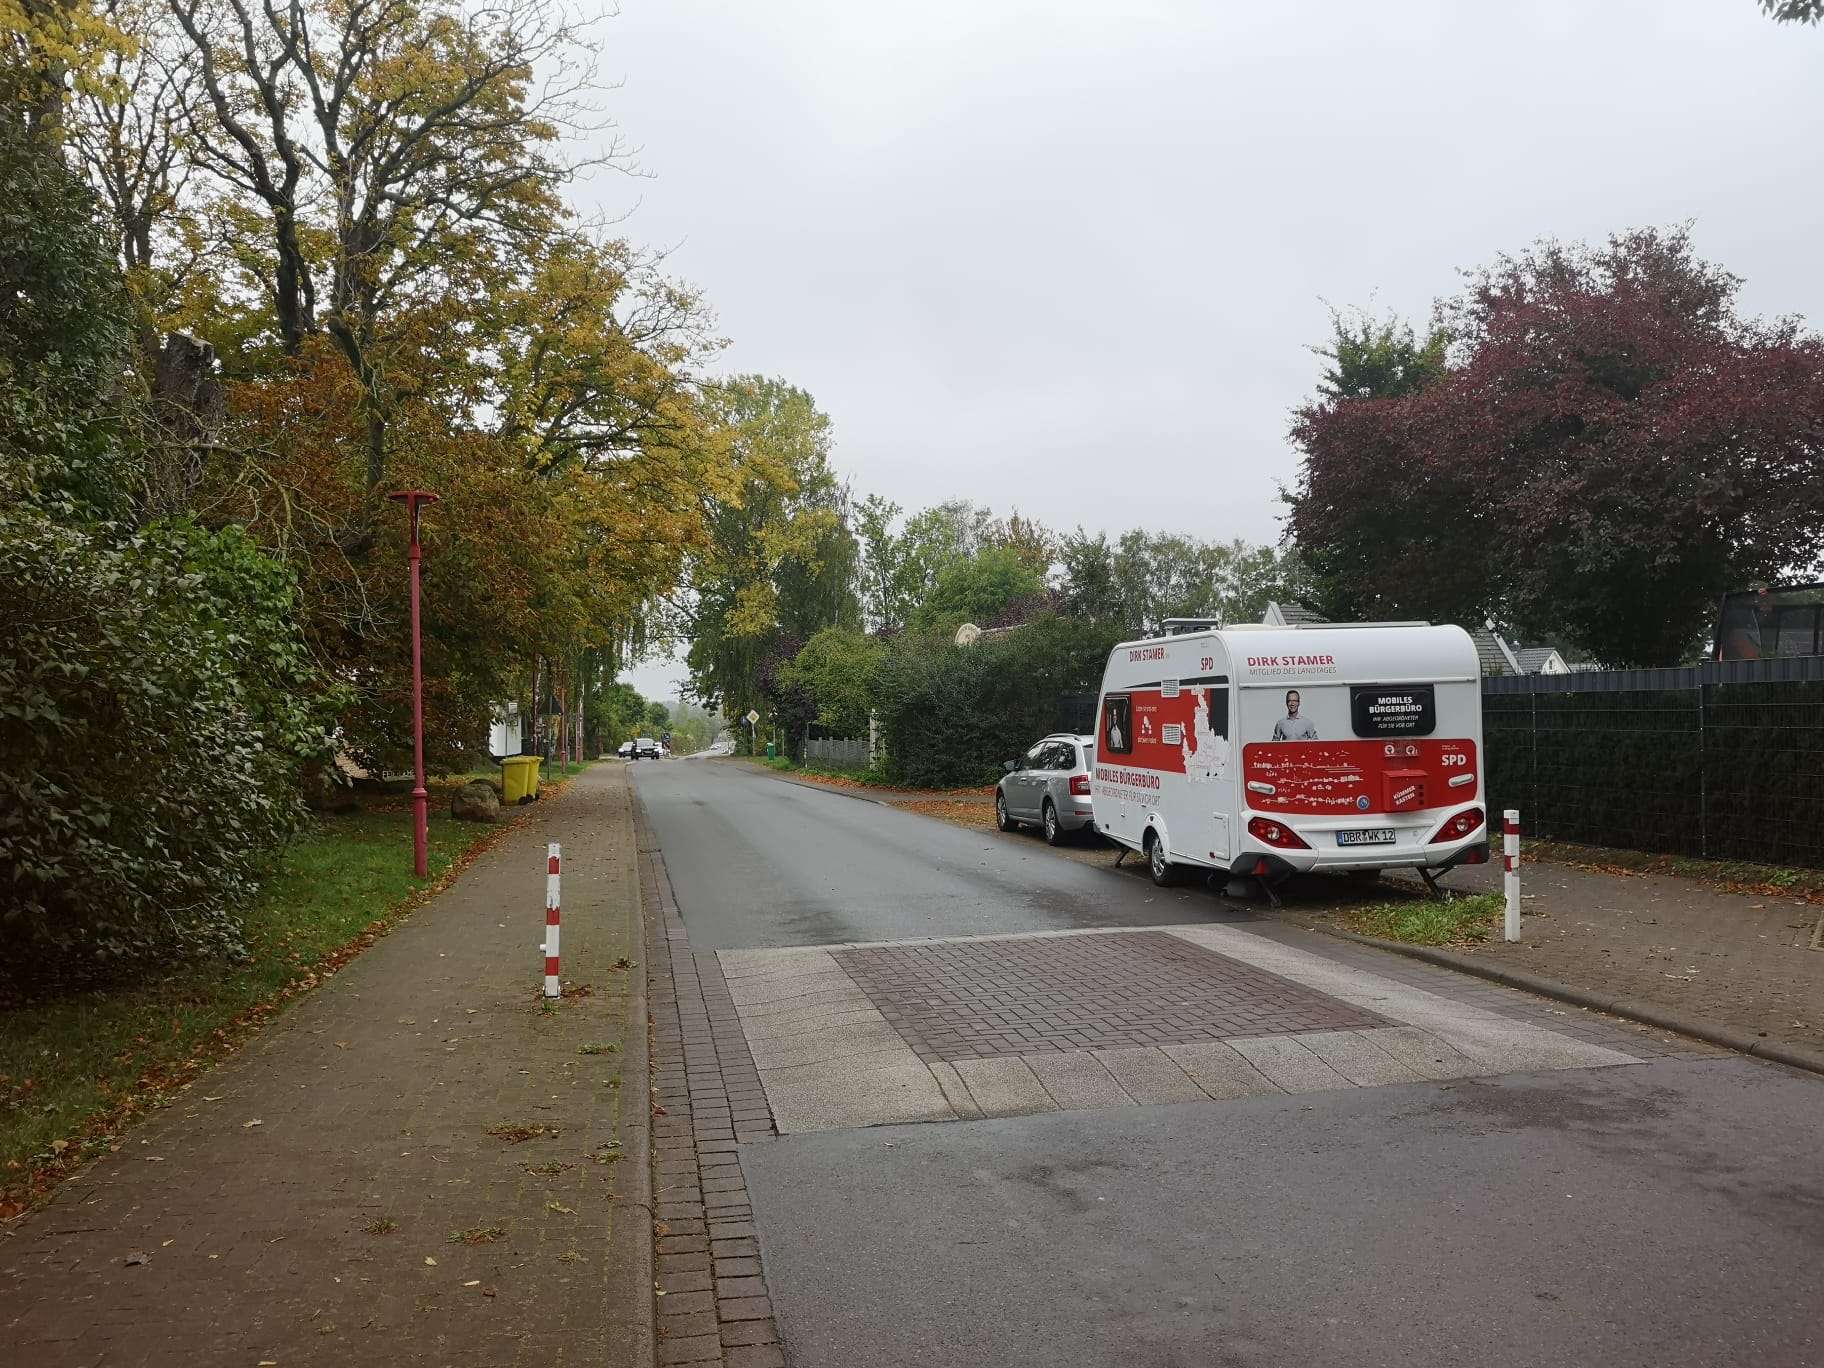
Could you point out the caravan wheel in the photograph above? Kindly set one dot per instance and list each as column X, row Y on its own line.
column 1164, row 872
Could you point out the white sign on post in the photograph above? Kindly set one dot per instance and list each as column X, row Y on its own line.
column 753, row 716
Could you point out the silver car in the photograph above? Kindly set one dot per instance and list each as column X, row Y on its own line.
column 1049, row 786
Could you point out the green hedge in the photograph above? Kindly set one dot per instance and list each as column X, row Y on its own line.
column 950, row 715
column 156, row 705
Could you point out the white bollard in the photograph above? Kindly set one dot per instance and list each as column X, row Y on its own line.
column 1510, row 865
column 553, row 988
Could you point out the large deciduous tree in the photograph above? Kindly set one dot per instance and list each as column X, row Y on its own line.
column 1611, row 446
column 1143, row 578
column 778, row 562
column 393, row 159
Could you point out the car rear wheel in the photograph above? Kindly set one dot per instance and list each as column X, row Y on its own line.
column 1054, row 830
column 1002, row 822
column 1162, row 869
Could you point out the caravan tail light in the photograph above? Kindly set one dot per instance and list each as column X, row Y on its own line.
column 1272, row 833
column 1459, row 826
column 1079, row 785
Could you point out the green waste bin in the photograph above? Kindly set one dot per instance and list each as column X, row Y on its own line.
column 770, row 750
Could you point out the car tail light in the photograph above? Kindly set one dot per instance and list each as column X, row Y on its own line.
column 1270, row 832
column 1079, row 785
column 1459, row 826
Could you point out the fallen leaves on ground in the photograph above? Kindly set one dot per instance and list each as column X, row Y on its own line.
column 478, row 1235
column 513, row 1135
column 948, row 810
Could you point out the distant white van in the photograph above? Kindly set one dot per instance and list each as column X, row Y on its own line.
column 1267, row 751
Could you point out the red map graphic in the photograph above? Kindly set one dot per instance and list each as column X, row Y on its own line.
column 1332, row 778
column 1152, row 713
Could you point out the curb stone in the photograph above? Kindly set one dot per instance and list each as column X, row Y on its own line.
column 1647, row 1013
column 630, row 1234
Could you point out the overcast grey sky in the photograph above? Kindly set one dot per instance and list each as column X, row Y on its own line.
column 1068, row 256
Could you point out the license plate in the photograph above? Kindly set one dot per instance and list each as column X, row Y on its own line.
column 1367, row 836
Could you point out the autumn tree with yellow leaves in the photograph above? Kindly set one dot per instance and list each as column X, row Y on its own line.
column 356, row 211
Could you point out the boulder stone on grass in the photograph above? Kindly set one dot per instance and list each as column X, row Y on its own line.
column 325, row 790
column 476, row 801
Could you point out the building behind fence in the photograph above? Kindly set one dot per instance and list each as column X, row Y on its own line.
column 1723, row 760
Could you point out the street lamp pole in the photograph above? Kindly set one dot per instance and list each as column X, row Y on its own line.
column 413, row 499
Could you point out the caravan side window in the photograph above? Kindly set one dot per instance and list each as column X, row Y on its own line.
column 1218, row 702
column 1117, row 725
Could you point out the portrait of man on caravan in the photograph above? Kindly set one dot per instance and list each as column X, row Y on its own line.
column 1292, row 727
column 1117, row 726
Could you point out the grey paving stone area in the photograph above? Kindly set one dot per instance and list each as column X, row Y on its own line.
column 1021, row 995
column 830, row 1056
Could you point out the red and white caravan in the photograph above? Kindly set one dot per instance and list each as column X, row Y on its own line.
column 1266, row 751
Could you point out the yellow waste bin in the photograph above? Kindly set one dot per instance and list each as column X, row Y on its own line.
column 519, row 778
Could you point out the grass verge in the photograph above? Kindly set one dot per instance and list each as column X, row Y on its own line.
column 78, row 1069
column 1427, row 921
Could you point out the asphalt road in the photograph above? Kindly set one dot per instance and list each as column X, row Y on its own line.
column 758, row 862
column 1666, row 1213
column 1656, row 1215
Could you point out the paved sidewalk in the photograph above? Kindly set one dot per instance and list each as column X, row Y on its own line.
column 1743, row 960
column 298, row 1204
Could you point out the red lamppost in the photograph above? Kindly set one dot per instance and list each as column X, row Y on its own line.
column 412, row 498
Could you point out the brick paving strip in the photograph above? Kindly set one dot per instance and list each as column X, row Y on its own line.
column 964, row 1027
column 296, row 1205
column 709, row 1297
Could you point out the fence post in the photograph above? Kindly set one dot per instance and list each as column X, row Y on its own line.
column 1532, row 741
column 1703, row 775
column 553, row 986
column 1510, row 876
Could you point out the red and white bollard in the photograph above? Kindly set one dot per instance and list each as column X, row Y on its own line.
column 1510, row 866
column 553, row 988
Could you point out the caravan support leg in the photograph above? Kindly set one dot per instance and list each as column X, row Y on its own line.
column 1120, row 855
column 1431, row 882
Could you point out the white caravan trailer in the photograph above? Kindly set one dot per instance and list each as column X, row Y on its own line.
column 1267, row 751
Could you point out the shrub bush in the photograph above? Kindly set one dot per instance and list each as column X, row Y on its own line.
column 156, row 705
column 950, row 715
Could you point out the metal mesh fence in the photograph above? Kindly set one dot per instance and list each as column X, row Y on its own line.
column 1717, row 764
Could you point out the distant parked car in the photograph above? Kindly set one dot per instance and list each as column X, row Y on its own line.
column 626, row 750
column 646, row 749
column 1049, row 786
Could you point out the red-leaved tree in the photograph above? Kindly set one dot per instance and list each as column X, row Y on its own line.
column 1609, row 447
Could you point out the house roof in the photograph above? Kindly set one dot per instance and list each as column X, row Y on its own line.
column 1533, row 658
column 1291, row 614
column 1492, row 652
